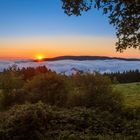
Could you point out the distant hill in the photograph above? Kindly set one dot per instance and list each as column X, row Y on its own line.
column 83, row 58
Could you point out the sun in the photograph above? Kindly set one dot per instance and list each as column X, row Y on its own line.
column 40, row 57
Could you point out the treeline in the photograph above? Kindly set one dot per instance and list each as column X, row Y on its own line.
column 39, row 104
column 124, row 77
column 40, row 84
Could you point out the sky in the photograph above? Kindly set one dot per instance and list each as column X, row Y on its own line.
column 32, row 27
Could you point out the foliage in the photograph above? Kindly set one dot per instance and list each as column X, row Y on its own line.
column 24, row 122
column 88, row 90
column 10, row 84
column 42, row 122
column 49, row 88
column 29, row 72
column 123, row 14
column 94, row 90
column 124, row 77
column 81, row 106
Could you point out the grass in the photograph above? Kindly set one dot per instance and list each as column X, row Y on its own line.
column 131, row 93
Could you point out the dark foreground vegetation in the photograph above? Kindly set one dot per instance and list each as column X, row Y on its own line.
column 38, row 104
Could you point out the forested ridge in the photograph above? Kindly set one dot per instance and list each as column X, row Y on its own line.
column 124, row 77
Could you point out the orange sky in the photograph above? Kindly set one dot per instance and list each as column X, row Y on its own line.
column 30, row 47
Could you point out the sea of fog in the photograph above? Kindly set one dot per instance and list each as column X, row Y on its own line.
column 68, row 66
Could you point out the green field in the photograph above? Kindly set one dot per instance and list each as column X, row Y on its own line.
column 131, row 93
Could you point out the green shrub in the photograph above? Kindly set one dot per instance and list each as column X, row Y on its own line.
column 49, row 88
column 88, row 90
column 43, row 122
column 93, row 90
column 25, row 122
column 11, row 84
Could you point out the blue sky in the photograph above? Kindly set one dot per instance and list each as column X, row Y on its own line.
column 46, row 17
column 31, row 27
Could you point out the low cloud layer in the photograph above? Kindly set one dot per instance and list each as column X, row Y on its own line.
column 68, row 66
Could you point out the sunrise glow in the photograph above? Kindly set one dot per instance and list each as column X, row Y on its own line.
column 39, row 57
column 26, row 33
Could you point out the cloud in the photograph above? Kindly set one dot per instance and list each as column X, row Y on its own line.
column 66, row 66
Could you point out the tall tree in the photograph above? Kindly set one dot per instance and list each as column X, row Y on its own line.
column 124, row 15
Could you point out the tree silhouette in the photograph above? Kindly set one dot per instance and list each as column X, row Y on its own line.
column 124, row 15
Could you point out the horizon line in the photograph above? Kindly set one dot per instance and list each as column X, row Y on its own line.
column 26, row 58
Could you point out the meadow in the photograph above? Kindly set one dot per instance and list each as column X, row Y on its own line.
column 131, row 93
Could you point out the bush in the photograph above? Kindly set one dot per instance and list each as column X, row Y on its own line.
column 87, row 90
column 43, row 122
column 94, row 90
column 11, row 84
column 25, row 122
column 49, row 88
